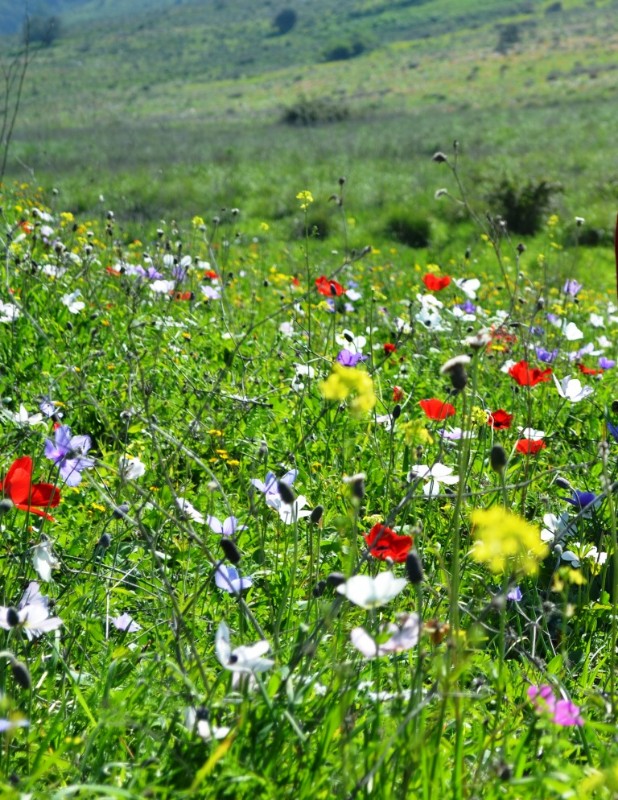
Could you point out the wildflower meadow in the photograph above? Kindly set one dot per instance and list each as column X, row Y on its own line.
column 301, row 520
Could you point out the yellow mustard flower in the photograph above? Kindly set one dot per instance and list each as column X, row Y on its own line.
column 506, row 542
column 348, row 381
column 306, row 198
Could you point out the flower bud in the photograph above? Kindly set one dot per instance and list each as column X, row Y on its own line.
column 316, row 514
column 414, row 568
column 12, row 616
column 232, row 553
column 335, row 579
column 5, row 505
column 396, row 413
column 105, row 541
column 497, row 458
column 319, row 588
column 21, row 674
column 286, row 492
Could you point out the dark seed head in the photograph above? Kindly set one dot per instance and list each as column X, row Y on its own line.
column 12, row 617
column 316, row 514
column 105, row 541
column 21, row 674
column 414, row 568
column 286, row 492
column 396, row 413
column 335, row 579
column 232, row 553
column 319, row 588
column 497, row 458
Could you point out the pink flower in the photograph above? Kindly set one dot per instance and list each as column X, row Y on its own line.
column 561, row 712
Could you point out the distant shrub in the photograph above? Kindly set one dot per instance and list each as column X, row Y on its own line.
column 314, row 111
column 554, row 8
column 41, row 30
column 317, row 224
column 523, row 208
column 285, row 21
column 342, row 51
column 405, row 227
column 508, row 36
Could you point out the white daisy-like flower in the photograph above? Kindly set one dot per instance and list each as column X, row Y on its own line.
column 228, row 527
column 433, row 477
column 571, row 389
column 571, row 332
column 290, row 513
column 126, row 623
column 43, row 560
column 72, row 303
column 23, row 418
column 31, row 615
column 131, row 468
column 8, row 312
column 351, row 342
column 555, row 528
column 247, row 659
column 531, row 433
column 162, row 286
column 369, row 592
column 403, row 637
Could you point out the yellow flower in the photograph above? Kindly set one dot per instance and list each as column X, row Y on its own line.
column 197, row 222
column 415, row 432
column 506, row 542
column 346, row 381
column 306, row 198
column 478, row 416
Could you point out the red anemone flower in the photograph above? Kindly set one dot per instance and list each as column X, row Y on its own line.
column 437, row 409
column 210, row 273
column 389, row 348
column 435, row 283
column 182, row 295
column 397, row 394
column 529, row 376
column 328, row 288
column 500, row 419
column 17, row 486
column 530, row 447
column 589, row 370
column 384, row 543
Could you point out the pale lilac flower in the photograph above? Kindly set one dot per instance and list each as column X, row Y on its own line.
column 228, row 579
column 188, row 511
column 349, row 359
column 131, row 468
column 228, row 527
column 12, row 724
column 43, row 560
column 270, row 489
column 210, row 292
column 290, row 513
column 455, row 434
column 32, row 614
column 572, row 287
column 69, row 454
column 546, row 356
column 48, row 407
column 606, row 363
column 126, row 623
column 515, row 594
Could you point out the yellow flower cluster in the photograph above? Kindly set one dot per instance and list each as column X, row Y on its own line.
column 306, row 198
column 346, row 381
column 506, row 542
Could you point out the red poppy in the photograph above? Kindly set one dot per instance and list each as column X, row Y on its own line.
column 27, row 227
column 501, row 340
column 589, row 370
column 437, row 409
column 500, row 420
column 210, row 273
column 113, row 271
column 389, row 348
column 435, row 283
column 295, row 281
column 530, row 447
column 384, row 543
column 328, row 288
column 397, row 394
column 17, row 485
column 529, row 376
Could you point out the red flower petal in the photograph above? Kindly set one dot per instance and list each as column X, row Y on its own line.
column 435, row 283
column 500, row 419
column 397, row 394
column 530, row 447
column 437, row 409
column 18, row 479
column 44, row 495
column 529, row 376
column 389, row 348
column 589, row 370
column 328, row 287
column 385, row 543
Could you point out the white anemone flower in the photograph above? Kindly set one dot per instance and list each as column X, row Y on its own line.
column 571, row 389
column 43, row 560
column 290, row 513
column 469, row 286
column 31, row 615
column 22, row 418
column 131, row 468
column 126, row 623
column 555, row 528
column 433, row 477
column 246, row 659
column 228, row 579
column 369, row 592
column 72, row 303
column 8, row 312
column 531, row 433
column 351, row 342
column 404, row 636
column 579, row 552
column 572, row 333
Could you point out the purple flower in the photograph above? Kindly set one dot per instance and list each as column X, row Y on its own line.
column 572, row 287
column 613, row 430
column 514, row 594
column 349, row 359
column 228, row 527
column 581, row 500
column 467, row 307
column 554, row 319
column 270, row 489
column 69, row 454
column 150, row 273
column 606, row 363
column 228, row 579
column 562, row 712
column 125, row 622
column 537, row 330
column 546, row 356
column 48, row 407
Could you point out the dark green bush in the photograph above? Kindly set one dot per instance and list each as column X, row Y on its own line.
column 285, row 21
column 342, row 51
column 314, row 111
column 405, row 227
column 523, row 208
column 41, row 30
